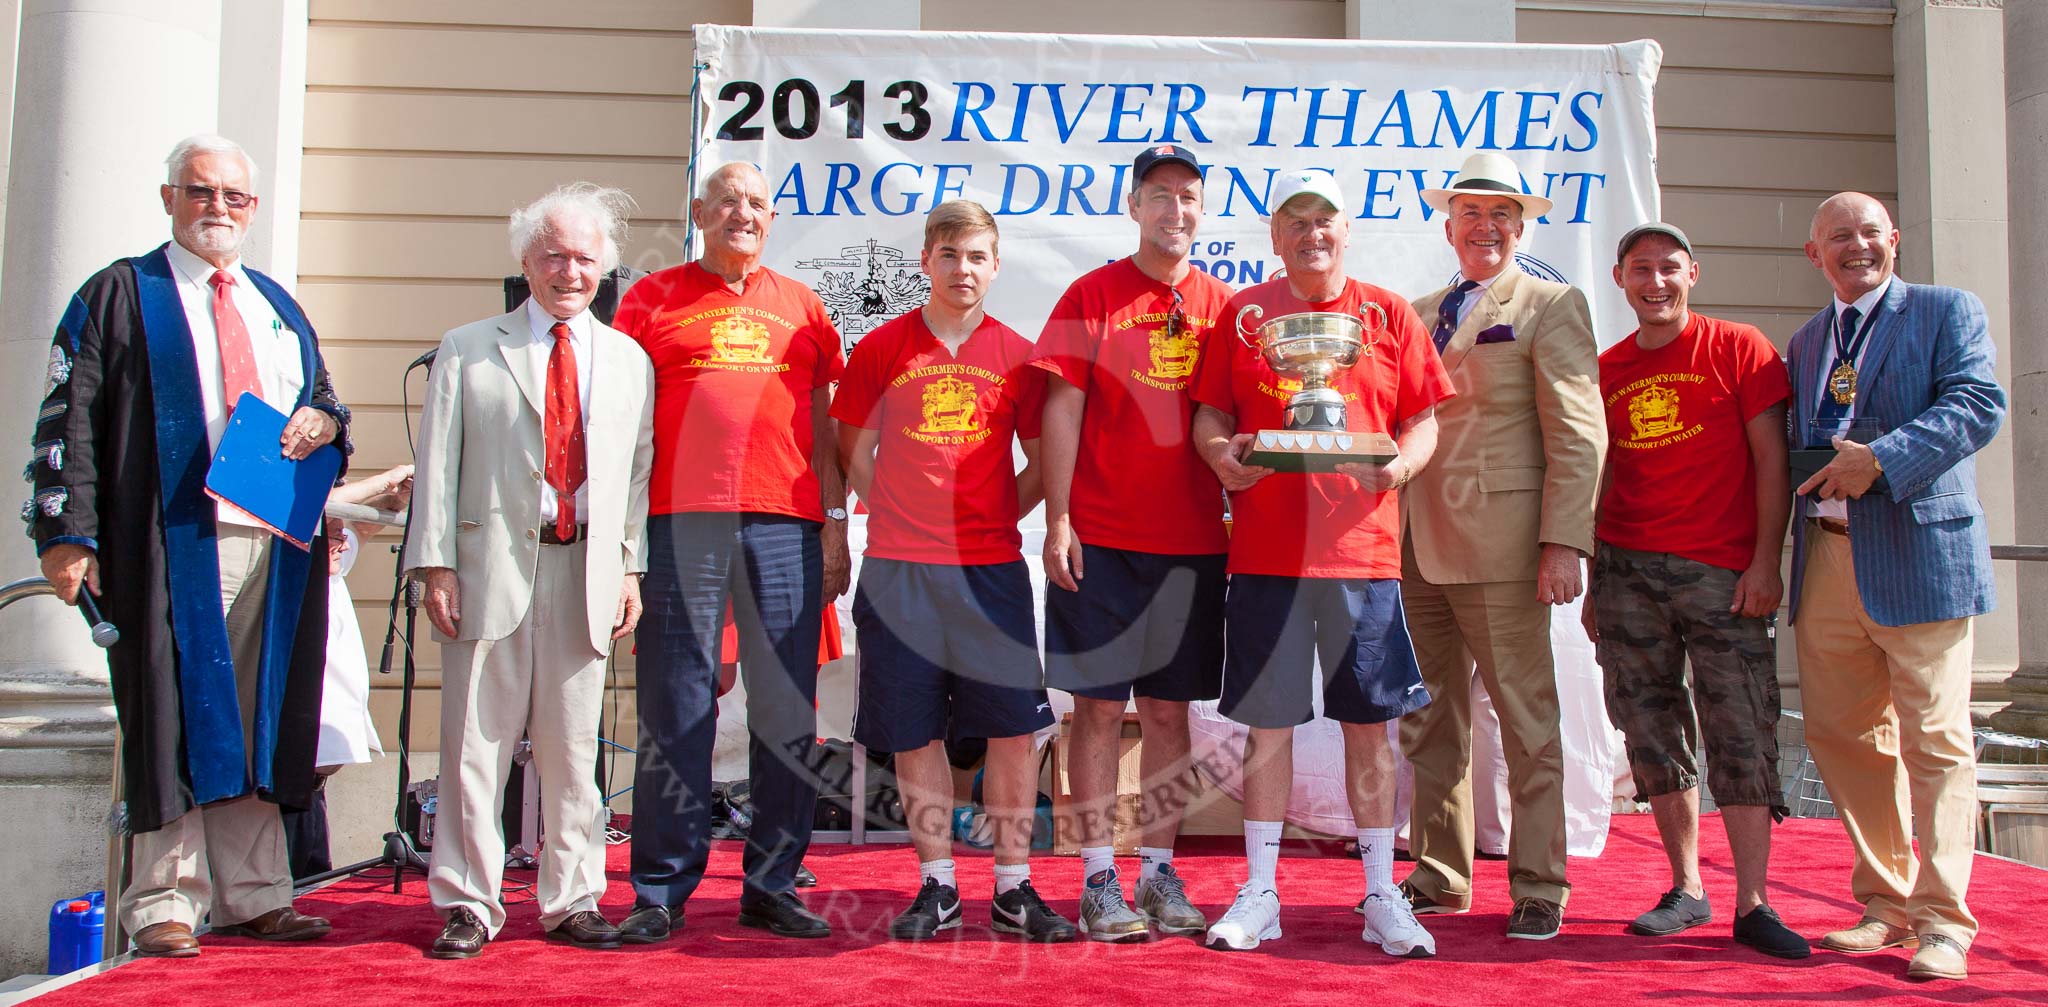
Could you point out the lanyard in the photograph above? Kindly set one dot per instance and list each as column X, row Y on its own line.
column 1847, row 348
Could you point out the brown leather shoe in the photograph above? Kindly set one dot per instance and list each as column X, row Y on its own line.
column 585, row 930
column 169, row 939
column 1868, row 935
column 285, row 924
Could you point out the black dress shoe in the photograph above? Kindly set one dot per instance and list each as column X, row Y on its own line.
column 586, row 929
column 649, row 924
column 784, row 915
column 804, row 877
column 464, row 936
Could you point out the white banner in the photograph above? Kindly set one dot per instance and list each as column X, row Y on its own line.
column 861, row 133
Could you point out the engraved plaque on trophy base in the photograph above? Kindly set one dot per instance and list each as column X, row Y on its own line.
column 1318, row 451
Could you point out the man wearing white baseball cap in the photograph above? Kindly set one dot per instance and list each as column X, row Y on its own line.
column 1315, row 560
column 1496, row 530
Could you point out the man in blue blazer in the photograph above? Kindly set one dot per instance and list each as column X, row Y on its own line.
column 1889, row 562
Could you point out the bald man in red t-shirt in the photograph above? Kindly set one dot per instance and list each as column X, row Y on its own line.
column 748, row 506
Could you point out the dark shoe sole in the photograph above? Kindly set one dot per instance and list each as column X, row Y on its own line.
column 453, row 954
column 1535, row 937
column 760, row 924
column 1643, row 931
column 1789, row 954
column 625, row 938
column 308, row 934
column 171, row 953
column 1430, row 910
column 921, row 935
column 610, row 945
column 1056, row 938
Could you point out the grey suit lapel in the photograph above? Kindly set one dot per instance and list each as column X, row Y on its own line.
column 513, row 342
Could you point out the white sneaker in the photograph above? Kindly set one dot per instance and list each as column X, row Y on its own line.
column 1254, row 917
column 1391, row 924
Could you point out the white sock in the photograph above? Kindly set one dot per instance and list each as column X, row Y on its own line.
column 939, row 870
column 1262, row 853
column 1151, row 859
column 1095, row 860
column 1376, row 850
column 1009, row 876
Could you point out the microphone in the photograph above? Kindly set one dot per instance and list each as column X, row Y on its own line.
column 103, row 632
column 423, row 360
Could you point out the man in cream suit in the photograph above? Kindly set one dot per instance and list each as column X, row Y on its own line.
column 1496, row 529
column 530, row 499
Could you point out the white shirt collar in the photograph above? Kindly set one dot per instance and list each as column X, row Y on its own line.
column 540, row 322
column 1868, row 301
column 197, row 270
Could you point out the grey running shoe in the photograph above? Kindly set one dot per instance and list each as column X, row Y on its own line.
column 1105, row 916
column 1163, row 899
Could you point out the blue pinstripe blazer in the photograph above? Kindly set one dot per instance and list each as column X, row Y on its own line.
column 1922, row 554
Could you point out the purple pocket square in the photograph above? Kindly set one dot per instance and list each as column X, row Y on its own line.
column 1502, row 333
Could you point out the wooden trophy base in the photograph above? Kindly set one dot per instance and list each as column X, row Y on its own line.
column 1318, row 451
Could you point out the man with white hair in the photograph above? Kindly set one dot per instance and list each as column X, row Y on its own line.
column 216, row 685
column 529, row 507
column 1315, row 560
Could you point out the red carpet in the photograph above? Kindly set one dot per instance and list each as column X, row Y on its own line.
column 374, row 957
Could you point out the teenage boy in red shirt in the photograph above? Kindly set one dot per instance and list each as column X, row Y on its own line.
column 943, row 614
column 1134, row 536
column 1690, row 529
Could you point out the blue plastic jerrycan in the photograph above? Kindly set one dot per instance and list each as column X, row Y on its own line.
column 77, row 932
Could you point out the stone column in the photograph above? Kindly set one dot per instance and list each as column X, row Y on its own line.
column 1947, row 86
column 103, row 89
column 1430, row 20
column 2026, row 128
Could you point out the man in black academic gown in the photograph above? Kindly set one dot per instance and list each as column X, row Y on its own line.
column 217, row 675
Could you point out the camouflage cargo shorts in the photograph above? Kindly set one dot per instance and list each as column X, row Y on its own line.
column 1654, row 611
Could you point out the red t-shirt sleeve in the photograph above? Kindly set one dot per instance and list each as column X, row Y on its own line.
column 1424, row 382
column 1030, row 401
column 819, row 327
column 1211, row 384
column 635, row 307
column 860, row 386
column 1066, row 346
column 1761, row 381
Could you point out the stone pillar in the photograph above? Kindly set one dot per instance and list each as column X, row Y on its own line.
column 1947, row 88
column 263, row 108
column 1430, row 20
column 2026, row 128
column 103, row 89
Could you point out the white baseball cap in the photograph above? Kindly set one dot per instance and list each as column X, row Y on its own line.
column 1304, row 182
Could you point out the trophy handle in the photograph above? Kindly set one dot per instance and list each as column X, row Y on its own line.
column 1366, row 314
column 1237, row 325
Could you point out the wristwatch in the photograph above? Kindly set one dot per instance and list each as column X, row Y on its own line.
column 836, row 513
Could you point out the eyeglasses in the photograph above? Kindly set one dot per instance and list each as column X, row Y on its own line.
column 1176, row 319
column 235, row 200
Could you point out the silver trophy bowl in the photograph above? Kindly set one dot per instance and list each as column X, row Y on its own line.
column 1311, row 346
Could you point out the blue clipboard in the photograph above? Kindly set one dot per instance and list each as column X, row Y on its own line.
column 250, row 473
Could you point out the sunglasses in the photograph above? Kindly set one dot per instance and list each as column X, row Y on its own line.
column 234, row 199
column 1176, row 319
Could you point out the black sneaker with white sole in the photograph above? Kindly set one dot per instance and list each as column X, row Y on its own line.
column 1020, row 911
column 936, row 908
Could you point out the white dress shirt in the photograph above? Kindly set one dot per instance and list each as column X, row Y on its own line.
column 1839, row 509
column 1476, row 294
column 537, row 352
column 278, row 362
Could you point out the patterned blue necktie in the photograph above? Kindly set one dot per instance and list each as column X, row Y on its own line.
column 1829, row 409
column 1447, row 314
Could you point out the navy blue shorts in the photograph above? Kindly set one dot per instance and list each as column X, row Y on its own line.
column 940, row 645
column 1279, row 626
column 1142, row 622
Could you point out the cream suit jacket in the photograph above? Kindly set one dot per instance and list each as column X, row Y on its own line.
column 1519, row 449
column 478, row 477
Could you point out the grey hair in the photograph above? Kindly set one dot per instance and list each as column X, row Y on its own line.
column 602, row 205
column 204, row 143
column 717, row 179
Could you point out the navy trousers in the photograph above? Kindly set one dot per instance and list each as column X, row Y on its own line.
column 771, row 567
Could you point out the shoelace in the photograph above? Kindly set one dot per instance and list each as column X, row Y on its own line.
column 1169, row 885
column 1105, row 899
column 1670, row 900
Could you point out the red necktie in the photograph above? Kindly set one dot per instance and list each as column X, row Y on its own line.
column 237, row 356
column 564, row 430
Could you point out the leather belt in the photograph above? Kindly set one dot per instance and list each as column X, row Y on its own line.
column 548, row 536
column 1832, row 526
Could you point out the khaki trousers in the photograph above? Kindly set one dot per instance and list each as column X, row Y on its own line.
column 544, row 682
column 1888, row 722
column 226, row 858
column 1503, row 633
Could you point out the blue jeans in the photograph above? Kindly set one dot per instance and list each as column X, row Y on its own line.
column 771, row 567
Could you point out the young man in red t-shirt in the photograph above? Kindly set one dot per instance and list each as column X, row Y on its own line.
column 943, row 615
column 1134, row 542
column 1315, row 560
column 746, row 506
column 1691, row 522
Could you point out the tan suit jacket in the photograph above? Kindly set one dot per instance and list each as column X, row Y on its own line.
column 1519, row 448
column 476, row 486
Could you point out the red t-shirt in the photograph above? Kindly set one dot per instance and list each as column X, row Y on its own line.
column 1139, row 484
column 945, row 483
column 1680, row 478
column 733, row 377
column 1295, row 525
